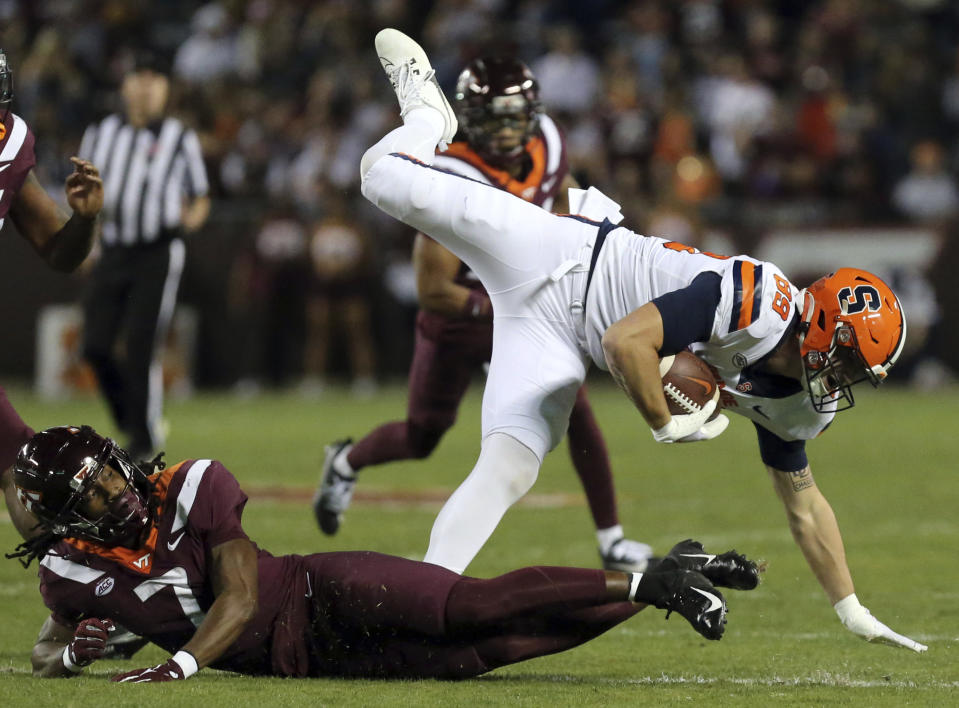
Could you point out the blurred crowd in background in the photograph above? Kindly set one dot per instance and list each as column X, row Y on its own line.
column 730, row 115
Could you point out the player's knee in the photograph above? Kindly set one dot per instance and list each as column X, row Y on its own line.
column 423, row 441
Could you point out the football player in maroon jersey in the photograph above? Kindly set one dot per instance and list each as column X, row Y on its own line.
column 506, row 141
column 62, row 241
column 166, row 556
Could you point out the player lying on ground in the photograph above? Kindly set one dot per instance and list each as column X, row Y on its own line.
column 507, row 141
column 568, row 292
column 166, row 556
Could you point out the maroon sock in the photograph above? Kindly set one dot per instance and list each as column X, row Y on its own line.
column 13, row 432
column 591, row 460
column 538, row 591
column 386, row 443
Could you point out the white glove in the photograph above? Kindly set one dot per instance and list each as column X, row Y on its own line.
column 692, row 426
column 709, row 430
column 859, row 620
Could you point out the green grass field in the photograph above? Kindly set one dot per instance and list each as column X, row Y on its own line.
column 888, row 467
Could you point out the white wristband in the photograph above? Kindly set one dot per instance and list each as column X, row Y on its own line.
column 186, row 661
column 67, row 663
column 847, row 607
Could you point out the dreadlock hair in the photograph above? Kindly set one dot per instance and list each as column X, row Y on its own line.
column 35, row 547
column 40, row 545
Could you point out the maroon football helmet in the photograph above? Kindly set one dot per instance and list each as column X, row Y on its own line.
column 497, row 105
column 55, row 470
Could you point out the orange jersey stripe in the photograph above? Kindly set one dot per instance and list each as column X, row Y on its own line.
column 749, row 284
column 535, row 148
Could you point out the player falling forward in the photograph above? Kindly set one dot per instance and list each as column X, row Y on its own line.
column 506, row 141
column 568, row 292
column 166, row 555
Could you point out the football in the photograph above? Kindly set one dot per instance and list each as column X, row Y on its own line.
column 688, row 383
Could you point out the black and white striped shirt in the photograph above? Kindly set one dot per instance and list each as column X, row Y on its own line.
column 146, row 173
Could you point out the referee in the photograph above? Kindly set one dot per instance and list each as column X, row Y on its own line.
column 155, row 190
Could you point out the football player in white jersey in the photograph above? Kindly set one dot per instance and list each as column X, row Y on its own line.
column 571, row 291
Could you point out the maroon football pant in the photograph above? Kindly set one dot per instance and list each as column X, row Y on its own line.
column 383, row 616
column 439, row 376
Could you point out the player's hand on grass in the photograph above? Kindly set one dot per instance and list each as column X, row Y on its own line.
column 89, row 643
column 688, row 425
column 859, row 620
column 180, row 666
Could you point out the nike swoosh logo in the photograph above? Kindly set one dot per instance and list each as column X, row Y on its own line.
column 171, row 545
column 702, row 382
column 714, row 602
column 708, row 556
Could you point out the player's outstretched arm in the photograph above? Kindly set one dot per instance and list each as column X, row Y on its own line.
column 61, row 651
column 816, row 532
column 234, row 580
column 62, row 241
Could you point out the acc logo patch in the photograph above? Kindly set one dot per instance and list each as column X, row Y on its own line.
column 740, row 360
column 104, row 586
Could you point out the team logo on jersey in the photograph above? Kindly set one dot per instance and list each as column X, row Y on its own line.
column 104, row 586
column 142, row 562
column 739, row 360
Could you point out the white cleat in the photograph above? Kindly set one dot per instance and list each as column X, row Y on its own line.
column 627, row 556
column 413, row 79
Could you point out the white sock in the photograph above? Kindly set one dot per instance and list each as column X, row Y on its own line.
column 634, row 579
column 418, row 136
column 505, row 471
column 607, row 537
column 341, row 464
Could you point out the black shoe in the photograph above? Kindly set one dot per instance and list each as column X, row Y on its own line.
column 727, row 570
column 695, row 598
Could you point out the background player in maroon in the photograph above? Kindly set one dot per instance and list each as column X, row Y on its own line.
column 62, row 241
column 167, row 556
column 508, row 142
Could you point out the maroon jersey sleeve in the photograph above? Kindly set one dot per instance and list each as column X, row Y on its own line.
column 16, row 159
column 218, row 509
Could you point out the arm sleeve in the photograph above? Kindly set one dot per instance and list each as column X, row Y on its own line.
column 688, row 313
column 788, row 456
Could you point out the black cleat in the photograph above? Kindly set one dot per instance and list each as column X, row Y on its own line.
column 727, row 570
column 695, row 598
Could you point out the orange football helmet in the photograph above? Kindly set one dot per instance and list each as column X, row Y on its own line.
column 852, row 329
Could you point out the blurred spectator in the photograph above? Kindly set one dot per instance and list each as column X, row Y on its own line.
column 267, row 295
column 338, row 306
column 569, row 78
column 928, row 194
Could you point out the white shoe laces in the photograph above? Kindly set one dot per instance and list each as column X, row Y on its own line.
column 408, row 87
